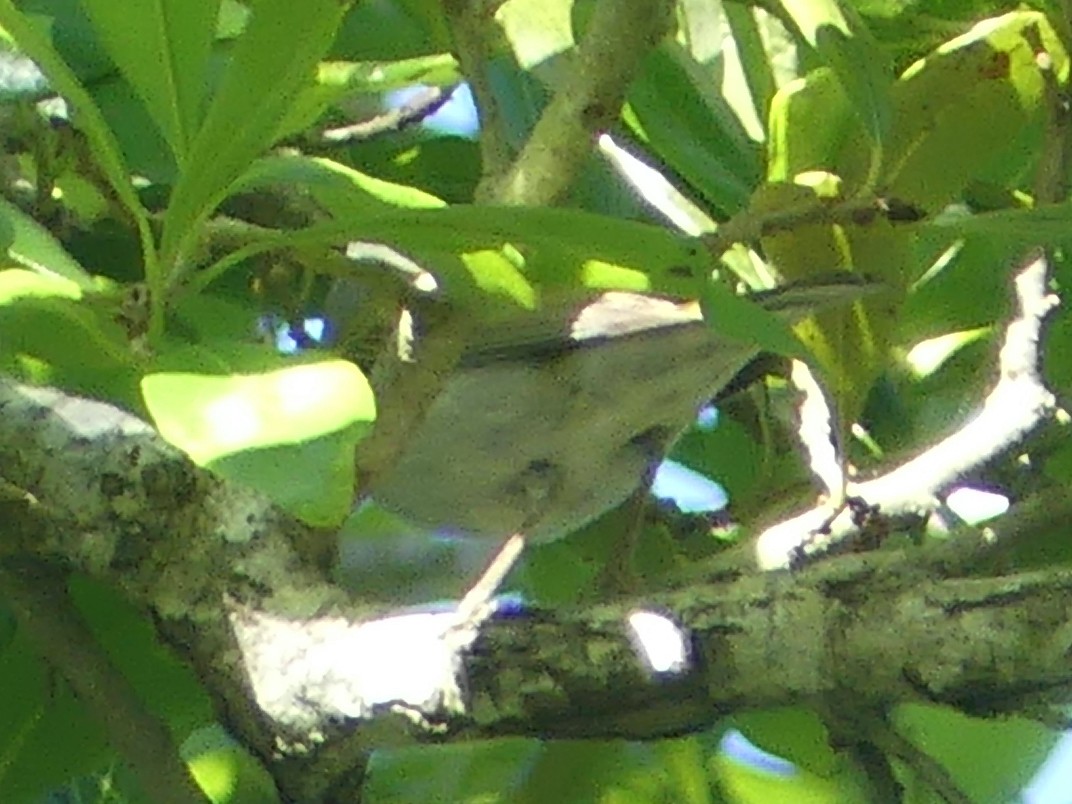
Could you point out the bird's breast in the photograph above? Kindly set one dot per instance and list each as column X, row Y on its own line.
column 544, row 444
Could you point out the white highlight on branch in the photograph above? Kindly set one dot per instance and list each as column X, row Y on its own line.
column 816, row 431
column 656, row 189
column 659, row 641
column 975, row 505
column 926, row 357
column 306, row 672
column 1018, row 403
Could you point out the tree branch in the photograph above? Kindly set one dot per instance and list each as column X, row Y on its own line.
column 471, row 26
column 879, row 625
column 621, row 33
column 1018, row 404
column 425, row 103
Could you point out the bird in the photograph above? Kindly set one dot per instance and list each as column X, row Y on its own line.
column 540, row 433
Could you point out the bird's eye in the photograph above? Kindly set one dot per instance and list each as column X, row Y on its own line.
column 651, row 441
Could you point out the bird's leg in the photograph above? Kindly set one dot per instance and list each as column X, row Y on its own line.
column 619, row 575
column 477, row 605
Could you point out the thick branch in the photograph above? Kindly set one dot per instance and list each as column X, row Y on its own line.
column 106, row 495
column 879, row 626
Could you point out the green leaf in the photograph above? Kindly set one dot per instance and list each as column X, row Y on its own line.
column 795, row 734
column 1045, row 225
column 729, row 454
column 592, row 770
column 270, row 64
column 31, row 245
column 990, row 760
column 338, row 80
column 66, row 26
column 341, row 191
column 745, row 784
column 844, row 44
column 970, row 290
column 538, row 31
column 162, row 48
column 50, row 335
column 313, row 479
column 973, row 110
column 287, row 429
column 17, row 284
column 47, row 739
column 810, row 119
column 226, row 771
column 553, row 251
column 755, row 55
column 675, row 110
column 403, row 29
column 166, row 685
column 496, row 262
column 35, row 44
column 851, row 343
column 438, row 69
column 145, row 151
column 736, row 317
column 475, row 771
column 448, row 167
column 214, row 415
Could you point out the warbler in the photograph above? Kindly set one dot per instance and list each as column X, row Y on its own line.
column 539, row 436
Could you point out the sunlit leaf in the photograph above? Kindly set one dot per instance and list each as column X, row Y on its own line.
column 972, row 110
column 845, row 45
column 289, row 431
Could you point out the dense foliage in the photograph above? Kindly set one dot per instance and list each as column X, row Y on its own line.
column 183, row 187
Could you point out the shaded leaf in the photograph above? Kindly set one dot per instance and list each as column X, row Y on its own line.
column 341, row 191
column 972, row 110
column 33, row 41
column 690, row 127
column 47, row 739
column 844, row 44
column 990, row 760
column 31, row 245
column 270, row 64
column 162, row 48
column 50, row 335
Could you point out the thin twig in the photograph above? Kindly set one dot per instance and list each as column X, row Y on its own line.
column 750, row 227
column 477, row 605
column 472, row 28
column 882, row 782
column 421, row 106
column 1018, row 403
